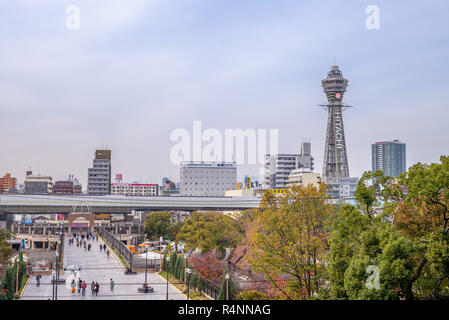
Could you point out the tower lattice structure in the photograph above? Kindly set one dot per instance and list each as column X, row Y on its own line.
column 335, row 163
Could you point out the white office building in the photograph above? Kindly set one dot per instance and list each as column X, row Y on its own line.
column 278, row 167
column 207, row 179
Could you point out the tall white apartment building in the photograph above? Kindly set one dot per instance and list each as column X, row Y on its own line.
column 134, row 189
column 207, row 179
column 278, row 167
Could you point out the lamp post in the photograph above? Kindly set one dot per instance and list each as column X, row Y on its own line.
column 160, row 253
column 186, row 258
column 166, row 269
column 146, row 263
column 56, row 278
column 188, row 272
column 227, row 277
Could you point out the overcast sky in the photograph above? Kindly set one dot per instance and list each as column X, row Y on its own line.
column 138, row 69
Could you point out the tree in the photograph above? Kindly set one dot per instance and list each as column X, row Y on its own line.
column 408, row 241
column 199, row 283
column 5, row 252
column 344, row 241
column 208, row 265
column 164, row 263
column 393, row 254
column 208, row 231
column 252, row 295
column 179, row 268
column 172, row 263
column 289, row 240
column 157, row 224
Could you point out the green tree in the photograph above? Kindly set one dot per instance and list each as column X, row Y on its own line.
column 158, row 224
column 164, row 263
column 5, row 251
column 172, row 262
column 344, row 241
column 208, row 231
column 289, row 240
column 252, row 295
column 407, row 240
column 199, row 283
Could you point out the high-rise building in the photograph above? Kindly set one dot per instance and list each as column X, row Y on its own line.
column 207, row 179
column 8, row 183
column 389, row 156
column 335, row 164
column 99, row 177
column 279, row 166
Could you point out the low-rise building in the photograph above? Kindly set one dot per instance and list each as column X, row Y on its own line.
column 342, row 188
column 134, row 189
column 70, row 186
column 37, row 184
column 303, row 177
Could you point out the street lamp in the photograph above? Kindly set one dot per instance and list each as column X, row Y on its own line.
column 56, row 278
column 227, row 277
column 166, row 269
column 188, row 272
column 146, row 263
column 160, row 253
column 186, row 258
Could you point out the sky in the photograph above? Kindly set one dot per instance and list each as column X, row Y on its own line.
column 136, row 70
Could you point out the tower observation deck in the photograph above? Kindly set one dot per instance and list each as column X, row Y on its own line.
column 335, row 163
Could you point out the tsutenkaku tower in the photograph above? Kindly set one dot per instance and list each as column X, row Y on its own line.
column 335, row 164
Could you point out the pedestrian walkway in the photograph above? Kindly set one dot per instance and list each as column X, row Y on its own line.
column 95, row 266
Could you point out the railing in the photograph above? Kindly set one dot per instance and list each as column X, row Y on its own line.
column 116, row 244
column 210, row 289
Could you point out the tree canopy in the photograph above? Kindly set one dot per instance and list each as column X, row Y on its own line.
column 208, row 231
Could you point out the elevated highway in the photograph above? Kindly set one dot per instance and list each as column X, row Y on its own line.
column 48, row 204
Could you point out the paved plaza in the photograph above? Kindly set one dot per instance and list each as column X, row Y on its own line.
column 95, row 266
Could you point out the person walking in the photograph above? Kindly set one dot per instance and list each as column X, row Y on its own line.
column 112, row 284
column 101, row 247
column 97, row 288
column 92, row 287
column 38, row 279
column 79, row 285
column 73, row 285
column 83, row 288
column 108, row 253
column 104, row 247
